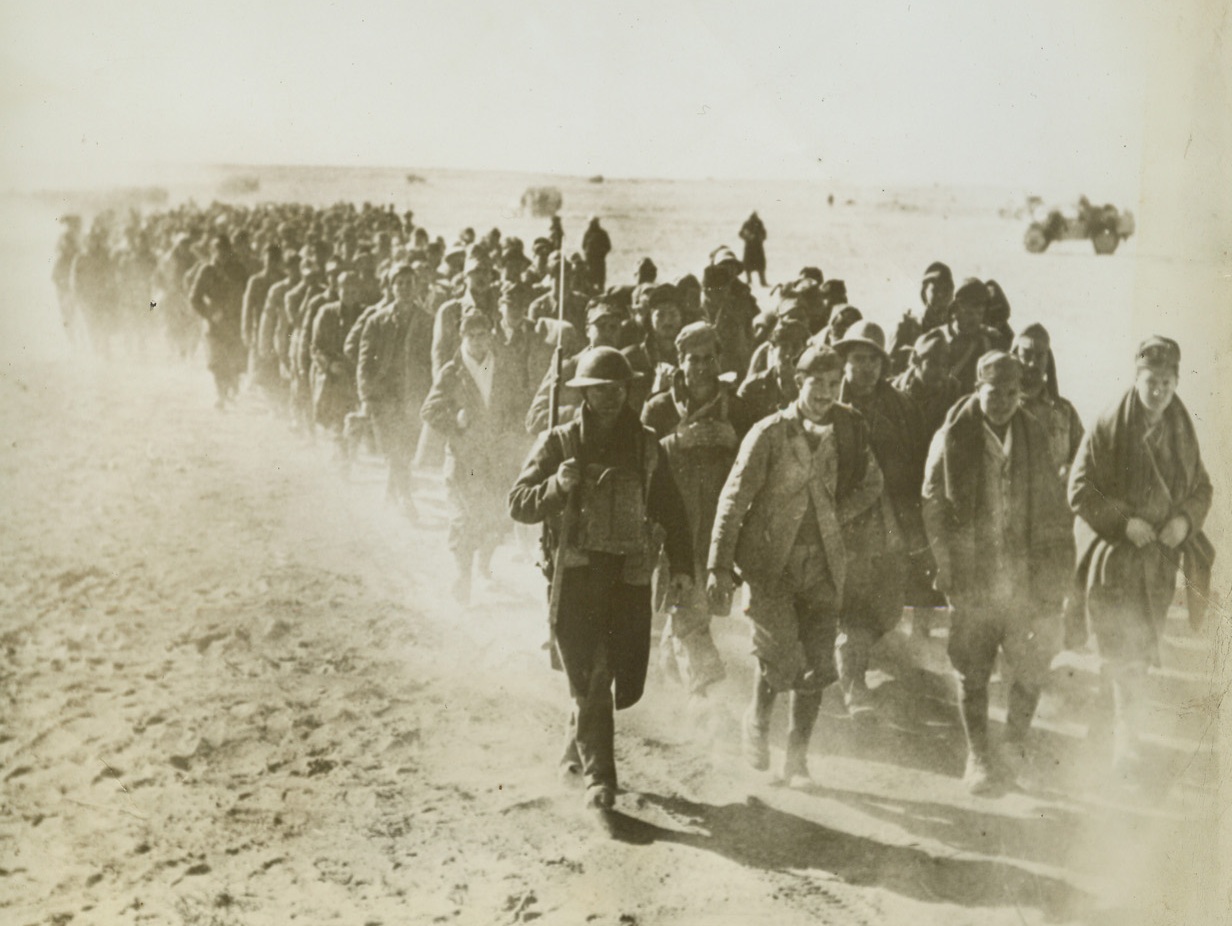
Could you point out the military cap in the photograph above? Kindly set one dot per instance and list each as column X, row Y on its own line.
column 790, row 307
column 621, row 295
column 660, row 294
column 812, row 273
column 971, row 292
column 931, row 344
column 513, row 289
column 696, row 335
column 835, row 291
column 862, row 334
column 1159, row 353
column 398, row 270
column 997, row 368
column 846, row 313
column 818, row 359
column 789, row 329
column 603, row 308
column 474, row 320
column 938, row 271
column 600, row 366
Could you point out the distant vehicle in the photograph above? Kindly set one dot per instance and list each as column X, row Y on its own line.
column 1105, row 226
column 415, row 178
column 541, row 201
column 239, row 184
column 597, row 178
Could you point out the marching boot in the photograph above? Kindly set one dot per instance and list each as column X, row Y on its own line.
column 851, row 659
column 755, row 730
column 805, row 706
column 979, row 776
column 1127, row 686
column 462, row 583
column 1018, row 714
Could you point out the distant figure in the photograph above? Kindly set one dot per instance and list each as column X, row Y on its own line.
column 67, row 250
column 217, row 296
column 997, row 316
column 596, row 245
column 753, row 234
column 556, row 234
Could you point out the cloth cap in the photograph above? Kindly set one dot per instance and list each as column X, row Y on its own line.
column 835, row 291
column 698, row 334
column 599, row 366
column 621, row 295
column 398, row 270
column 997, row 368
column 812, row 273
column 603, row 308
column 660, row 294
column 474, row 320
column 971, row 292
column 1159, row 353
column 846, row 314
column 931, row 344
column 790, row 307
column 818, row 359
column 862, row 334
column 789, row 329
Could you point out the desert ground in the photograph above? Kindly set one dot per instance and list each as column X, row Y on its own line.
column 236, row 690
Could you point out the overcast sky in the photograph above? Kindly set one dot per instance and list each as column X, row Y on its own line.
column 1041, row 95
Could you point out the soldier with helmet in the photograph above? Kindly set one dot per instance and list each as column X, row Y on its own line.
column 600, row 481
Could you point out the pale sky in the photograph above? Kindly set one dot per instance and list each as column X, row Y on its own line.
column 1036, row 95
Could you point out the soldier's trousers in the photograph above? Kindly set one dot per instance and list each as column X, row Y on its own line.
column 687, row 642
column 396, row 432
column 1028, row 640
column 590, row 737
column 795, row 621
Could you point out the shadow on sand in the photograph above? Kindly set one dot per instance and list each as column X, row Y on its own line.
column 756, row 835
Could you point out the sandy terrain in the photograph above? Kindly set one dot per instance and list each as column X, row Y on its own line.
column 235, row 690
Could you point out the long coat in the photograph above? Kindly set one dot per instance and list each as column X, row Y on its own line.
column 958, row 526
column 1118, row 475
column 753, row 234
column 766, row 494
column 333, row 378
column 483, row 454
column 537, row 497
column 218, row 296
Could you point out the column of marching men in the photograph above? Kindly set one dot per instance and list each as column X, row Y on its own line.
column 700, row 443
